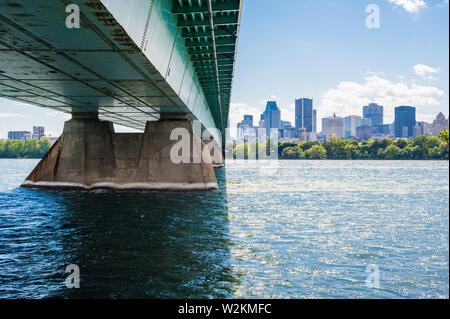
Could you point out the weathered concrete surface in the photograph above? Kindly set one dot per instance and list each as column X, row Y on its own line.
column 89, row 155
column 214, row 151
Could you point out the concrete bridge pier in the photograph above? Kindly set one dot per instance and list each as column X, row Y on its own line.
column 90, row 155
column 215, row 153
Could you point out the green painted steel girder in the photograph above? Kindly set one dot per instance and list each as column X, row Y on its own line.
column 209, row 50
column 212, row 76
column 207, row 80
column 218, row 20
column 220, row 31
column 210, row 28
column 210, row 69
column 205, row 63
column 222, row 41
column 195, row 8
column 209, row 58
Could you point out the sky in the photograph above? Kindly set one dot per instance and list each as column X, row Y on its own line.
column 321, row 49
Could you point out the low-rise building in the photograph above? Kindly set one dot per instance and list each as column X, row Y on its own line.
column 18, row 135
column 364, row 132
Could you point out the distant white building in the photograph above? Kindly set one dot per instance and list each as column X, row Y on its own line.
column 302, row 135
column 335, row 125
column 422, row 128
column 312, row 136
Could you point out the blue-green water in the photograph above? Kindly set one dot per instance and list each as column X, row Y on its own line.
column 308, row 232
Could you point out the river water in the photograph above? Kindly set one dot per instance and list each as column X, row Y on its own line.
column 309, row 229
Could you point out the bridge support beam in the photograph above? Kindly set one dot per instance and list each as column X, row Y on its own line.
column 90, row 155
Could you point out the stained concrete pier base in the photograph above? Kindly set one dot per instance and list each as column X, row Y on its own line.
column 90, row 155
column 214, row 151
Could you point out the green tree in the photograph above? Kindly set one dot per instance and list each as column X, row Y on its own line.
column 444, row 135
column 376, row 147
column 316, row 152
column 294, row 152
column 405, row 153
column 334, row 148
column 307, row 145
column 392, row 152
column 436, row 153
column 433, row 141
column 43, row 146
column 351, row 151
column 419, row 148
column 27, row 149
column 282, row 146
column 401, row 143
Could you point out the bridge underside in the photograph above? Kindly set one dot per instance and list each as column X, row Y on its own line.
column 128, row 62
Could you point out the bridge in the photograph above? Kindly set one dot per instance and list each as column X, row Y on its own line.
column 151, row 65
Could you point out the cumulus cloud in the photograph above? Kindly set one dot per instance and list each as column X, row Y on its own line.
column 349, row 97
column 12, row 115
column 64, row 116
column 423, row 70
column 237, row 112
column 411, row 6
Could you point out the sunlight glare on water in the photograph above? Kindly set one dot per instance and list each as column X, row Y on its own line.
column 310, row 231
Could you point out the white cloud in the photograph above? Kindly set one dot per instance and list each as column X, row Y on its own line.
column 349, row 97
column 423, row 70
column 237, row 112
column 288, row 113
column 64, row 116
column 411, row 6
column 12, row 115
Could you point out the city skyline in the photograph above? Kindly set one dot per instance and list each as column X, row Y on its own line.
column 370, row 125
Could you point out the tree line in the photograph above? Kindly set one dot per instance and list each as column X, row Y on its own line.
column 419, row 148
column 24, row 149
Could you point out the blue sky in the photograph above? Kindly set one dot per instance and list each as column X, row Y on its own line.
column 323, row 50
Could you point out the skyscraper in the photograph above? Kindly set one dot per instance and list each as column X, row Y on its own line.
column 324, row 125
column 314, row 123
column 363, row 122
column 405, row 120
column 244, row 126
column 248, row 120
column 374, row 112
column 304, row 114
column 271, row 116
column 350, row 124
